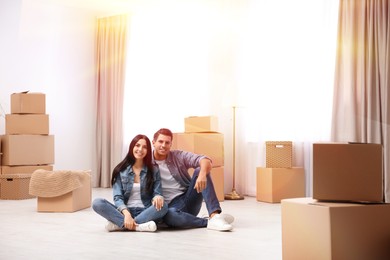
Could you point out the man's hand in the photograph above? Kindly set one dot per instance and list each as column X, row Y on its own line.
column 201, row 183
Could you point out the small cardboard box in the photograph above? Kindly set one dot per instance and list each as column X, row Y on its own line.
column 27, row 124
column 209, row 144
column 27, row 149
column 348, row 172
column 327, row 231
column 28, row 103
column 15, row 186
column 275, row 184
column 75, row 200
column 278, row 154
column 5, row 169
column 200, row 124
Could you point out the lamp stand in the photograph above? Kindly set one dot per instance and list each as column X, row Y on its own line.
column 233, row 195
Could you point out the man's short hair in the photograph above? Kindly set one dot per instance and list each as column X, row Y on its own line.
column 163, row 131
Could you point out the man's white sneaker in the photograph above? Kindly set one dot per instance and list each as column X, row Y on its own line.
column 228, row 218
column 218, row 223
column 110, row 227
column 147, row 227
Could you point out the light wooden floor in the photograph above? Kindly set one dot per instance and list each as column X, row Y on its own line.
column 27, row 234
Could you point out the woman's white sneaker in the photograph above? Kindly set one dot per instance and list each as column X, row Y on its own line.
column 218, row 223
column 110, row 227
column 147, row 227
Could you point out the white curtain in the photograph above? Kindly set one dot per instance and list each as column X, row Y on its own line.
column 274, row 60
column 111, row 36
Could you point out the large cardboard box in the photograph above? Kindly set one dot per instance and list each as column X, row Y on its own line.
column 6, row 169
column 15, row 186
column 27, row 124
column 348, row 172
column 27, row 149
column 275, row 184
column 331, row 231
column 28, row 103
column 75, row 200
column 209, row 144
column 218, row 177
column 199, row 124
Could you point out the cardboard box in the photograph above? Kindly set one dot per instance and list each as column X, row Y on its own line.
column 5, row 169
column 27, row 124
column 15, row 186
column 70, row 202
column 200, row 124
column 27, row 149
column 278, row 154
column 28, row 103
column 209, row 144
column 328, row 231
column 348, row 172
column 218, row 176
column 275, row 184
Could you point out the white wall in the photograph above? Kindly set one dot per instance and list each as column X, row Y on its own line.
column 50, row 48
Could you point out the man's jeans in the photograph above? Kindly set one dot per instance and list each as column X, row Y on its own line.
column 183, row 210
column 141, row 215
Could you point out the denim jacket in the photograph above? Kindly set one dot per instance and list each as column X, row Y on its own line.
column 124, row 184
column 179, row 162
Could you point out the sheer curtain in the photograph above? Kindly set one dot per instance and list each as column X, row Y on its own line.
column 361, row 93
column 285, row 78
column 274, row 60
column 110, row 60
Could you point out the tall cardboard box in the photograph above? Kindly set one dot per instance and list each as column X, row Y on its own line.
column 332, row 231
column 27, row 124
column 27, row 149
column 275, row 184
column 218, row 177
column 200, row 124
column 348, row 172
column 28, row 103
column 209, row 144
column 72, row 201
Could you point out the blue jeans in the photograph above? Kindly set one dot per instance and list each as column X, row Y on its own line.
column 183, row 210
column 141, row 215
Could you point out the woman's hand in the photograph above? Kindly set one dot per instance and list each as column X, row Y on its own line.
column 158, row 202
column 129, row 222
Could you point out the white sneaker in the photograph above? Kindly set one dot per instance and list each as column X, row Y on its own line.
column 110, row 227
column 218, row 223
column 147, row 227
column 228, row 218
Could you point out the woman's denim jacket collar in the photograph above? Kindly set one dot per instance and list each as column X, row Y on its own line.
column 124, row 184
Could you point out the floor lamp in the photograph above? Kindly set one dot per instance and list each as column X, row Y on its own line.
column 233, row 195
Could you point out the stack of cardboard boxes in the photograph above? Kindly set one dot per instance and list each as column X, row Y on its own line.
column 279, row 180
column 201, row 136
column 347, row 217
column 26, row 145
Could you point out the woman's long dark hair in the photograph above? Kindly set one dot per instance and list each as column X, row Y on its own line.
column 130, row 160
